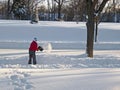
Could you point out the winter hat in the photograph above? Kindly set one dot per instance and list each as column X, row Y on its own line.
column 35, row 39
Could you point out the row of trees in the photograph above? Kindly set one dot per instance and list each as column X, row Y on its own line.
column 68, row 10
column 18, row 9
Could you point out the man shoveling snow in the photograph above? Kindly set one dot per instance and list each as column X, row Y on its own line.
column 32, row 49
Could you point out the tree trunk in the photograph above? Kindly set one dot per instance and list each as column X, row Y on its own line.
column 91, row 12
column 59, row 11
column 8, row 9
column 90, row 28
column 96, row 30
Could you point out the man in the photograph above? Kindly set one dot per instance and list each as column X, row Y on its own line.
column 32, row 49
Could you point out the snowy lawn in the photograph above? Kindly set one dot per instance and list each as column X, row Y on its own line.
column 63, row 64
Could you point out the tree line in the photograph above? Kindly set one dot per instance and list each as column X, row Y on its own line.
column 68, row 10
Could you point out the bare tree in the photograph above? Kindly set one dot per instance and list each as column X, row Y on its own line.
column 60, row 4
column 49, row 8
column 8, row 9
column 78, row 9
column 53, row 9
column 92, row 11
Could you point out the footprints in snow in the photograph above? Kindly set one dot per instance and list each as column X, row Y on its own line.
column 19, row 81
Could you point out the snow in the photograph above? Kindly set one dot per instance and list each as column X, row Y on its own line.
column 63, row 65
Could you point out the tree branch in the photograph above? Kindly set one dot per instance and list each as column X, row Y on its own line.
column 101, row 6
column 95, row 3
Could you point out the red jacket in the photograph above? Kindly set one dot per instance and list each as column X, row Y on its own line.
column 33, row 46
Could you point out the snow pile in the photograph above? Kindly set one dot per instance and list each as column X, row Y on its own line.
column 47, row 47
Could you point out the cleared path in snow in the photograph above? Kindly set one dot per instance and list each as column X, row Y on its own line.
column 77, row 79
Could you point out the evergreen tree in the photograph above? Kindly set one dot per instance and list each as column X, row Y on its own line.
column 19, row 9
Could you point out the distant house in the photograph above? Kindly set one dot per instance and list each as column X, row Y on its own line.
column 49, row 16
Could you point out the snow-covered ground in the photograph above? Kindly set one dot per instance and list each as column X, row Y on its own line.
column 63, row 64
